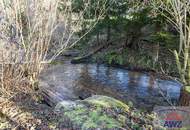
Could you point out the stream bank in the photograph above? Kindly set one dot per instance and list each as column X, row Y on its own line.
column 81, row 83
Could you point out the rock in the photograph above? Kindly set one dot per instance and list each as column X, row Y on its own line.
column 98, row 112
column 65, row 104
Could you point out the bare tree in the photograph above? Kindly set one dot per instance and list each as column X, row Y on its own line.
column 177, row 13
column 28, row 30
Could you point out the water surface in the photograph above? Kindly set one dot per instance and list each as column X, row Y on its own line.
column 74, row 81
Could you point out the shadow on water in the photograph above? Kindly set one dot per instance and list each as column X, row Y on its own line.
column 80, row 81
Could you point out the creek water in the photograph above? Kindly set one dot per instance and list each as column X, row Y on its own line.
column 79, row 81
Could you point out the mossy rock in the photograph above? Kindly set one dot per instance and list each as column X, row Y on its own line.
column 107, row 102
column 99, row 112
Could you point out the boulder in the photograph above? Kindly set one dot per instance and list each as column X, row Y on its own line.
column 98, row 113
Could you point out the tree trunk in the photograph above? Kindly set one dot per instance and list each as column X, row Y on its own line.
column 185, row 96
column 108, row 33
column 98, row 37
column 108, row 29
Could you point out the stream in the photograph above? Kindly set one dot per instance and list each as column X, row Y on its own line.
column 79, row 81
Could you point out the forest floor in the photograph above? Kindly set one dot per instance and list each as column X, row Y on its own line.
column 27, row 114
column 23, row 111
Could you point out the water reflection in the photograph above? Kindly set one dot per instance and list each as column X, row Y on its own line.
column 83, row 80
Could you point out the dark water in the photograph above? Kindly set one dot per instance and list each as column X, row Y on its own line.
column 82, row 80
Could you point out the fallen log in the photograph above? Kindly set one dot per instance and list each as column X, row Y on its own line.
column 87, row 56
column 52, row 95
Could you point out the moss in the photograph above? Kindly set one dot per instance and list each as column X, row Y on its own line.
column 107, row 102
column 77, row 115
column 109, row 122
column 56, row 62
column 100, row 112
column 121, row 118
column 89, row 124
column 89, row 119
